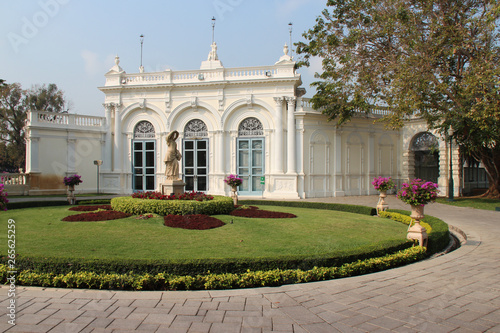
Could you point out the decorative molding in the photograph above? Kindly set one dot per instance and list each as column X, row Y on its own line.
column 278, row 101
column 250, row 127
column 195, row 128
column 144, row 130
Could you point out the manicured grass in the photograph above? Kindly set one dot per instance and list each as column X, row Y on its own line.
column 478, row 203
column 40, row 232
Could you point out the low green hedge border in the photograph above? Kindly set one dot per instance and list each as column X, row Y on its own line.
column 439, row 237
column 32, row 204
column 201, row 266
column 135, row 206
column 364, row 210
column 250, row 279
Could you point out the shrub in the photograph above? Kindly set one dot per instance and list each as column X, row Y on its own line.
column 252, row 212
column 198, row 196
column 248, row 279
column 134, row 206
column 439, row 235
column 314, row 205
column 31, row 204
column 94, row 202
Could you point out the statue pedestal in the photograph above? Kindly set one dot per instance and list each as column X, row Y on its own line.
column 172, row 187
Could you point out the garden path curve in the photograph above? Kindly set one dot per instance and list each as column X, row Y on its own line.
column 457, row 292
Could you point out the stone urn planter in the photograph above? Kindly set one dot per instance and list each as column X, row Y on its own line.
column 382, row 205
column 71, row 194
column 416, row 231
column 234, row 194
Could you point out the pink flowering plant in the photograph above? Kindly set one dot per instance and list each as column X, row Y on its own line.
column 3, row 198
column 383, row 183
column 418, row 192
column 72, row 180
column 233, row 180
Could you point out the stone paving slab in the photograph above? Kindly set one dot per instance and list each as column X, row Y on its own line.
column 456, row 292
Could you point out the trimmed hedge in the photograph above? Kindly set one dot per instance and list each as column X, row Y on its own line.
column 364, row 210
column 31, row 204
column 439, row 237
column 219, row 205
column 249, row 279
column 94, row 202
column 200, row 266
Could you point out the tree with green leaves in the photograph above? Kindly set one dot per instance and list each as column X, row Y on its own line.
column 14, row 106
column 437, row 60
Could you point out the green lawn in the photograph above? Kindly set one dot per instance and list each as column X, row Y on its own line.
column 40, row 232
column 478, row 203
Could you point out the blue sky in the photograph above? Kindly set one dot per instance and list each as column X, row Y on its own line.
column 73, row 43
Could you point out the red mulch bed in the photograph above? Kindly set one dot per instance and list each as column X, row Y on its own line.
column 103, row 215
column 194, row 222
column 253, row 211
column 90, row 208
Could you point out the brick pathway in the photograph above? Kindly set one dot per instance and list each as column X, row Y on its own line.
column 457, row 292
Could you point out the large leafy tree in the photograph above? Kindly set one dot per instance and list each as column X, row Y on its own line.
column 14, row 105
column 438, row 60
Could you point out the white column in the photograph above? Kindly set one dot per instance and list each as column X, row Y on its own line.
column 291, row 144
column 117, row 144
column 106, row 156
column 278, row 144
column 220, row 152
column 371, row 164
column 33, row 149
column 72, row 156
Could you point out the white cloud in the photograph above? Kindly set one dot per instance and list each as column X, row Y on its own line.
column 287, row 7
column 93, row 64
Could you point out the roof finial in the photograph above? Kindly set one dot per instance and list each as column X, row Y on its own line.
column 213, row 29
column 290, row 30
column 141, row 68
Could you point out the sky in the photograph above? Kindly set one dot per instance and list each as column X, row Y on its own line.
column 72, row 43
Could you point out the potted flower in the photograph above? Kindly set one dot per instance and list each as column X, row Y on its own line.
column 234, row 182
column 70, row 182
column 418, row 193
column 382, row 184
column 3, row 198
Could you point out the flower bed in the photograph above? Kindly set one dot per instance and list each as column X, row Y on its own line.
column 253, row 211
column 103, row 215
column 198, row 196
column 90, row 208
column 136, row 206
column 194, row 222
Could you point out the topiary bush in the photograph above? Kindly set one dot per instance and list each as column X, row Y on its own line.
column 219, row 205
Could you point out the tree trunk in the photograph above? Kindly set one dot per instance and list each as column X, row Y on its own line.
column 492, row 167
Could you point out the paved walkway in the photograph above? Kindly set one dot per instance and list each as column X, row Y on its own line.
column 457, row 292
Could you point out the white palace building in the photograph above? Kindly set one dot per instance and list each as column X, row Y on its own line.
column 249, row 121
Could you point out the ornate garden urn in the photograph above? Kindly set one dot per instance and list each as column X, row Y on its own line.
column 382, row 205
column 71, row 194
column 234, row 194
column 417, row 232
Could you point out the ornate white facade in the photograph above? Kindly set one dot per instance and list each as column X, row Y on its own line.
column 250, row 121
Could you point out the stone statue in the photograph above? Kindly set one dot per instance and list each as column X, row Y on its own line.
column 172, row 157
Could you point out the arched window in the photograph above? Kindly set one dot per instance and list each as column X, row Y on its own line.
column 144, row 130
column 250, row 127
column 424, row 142
column 195, row 128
